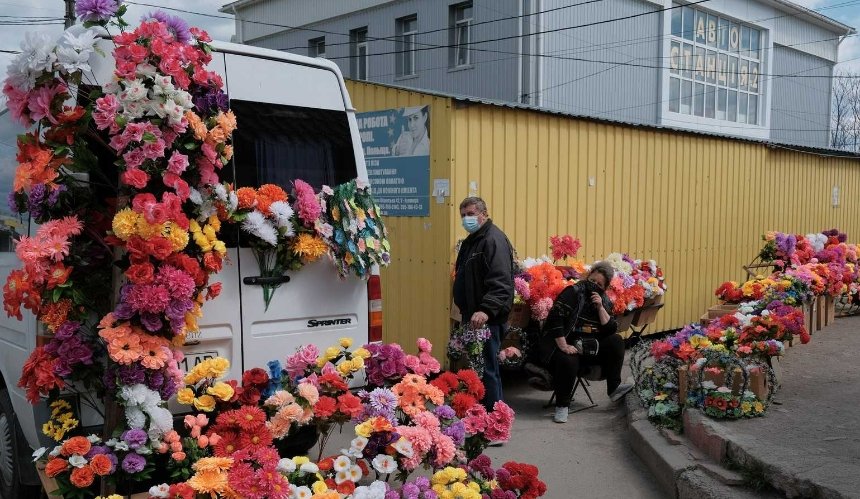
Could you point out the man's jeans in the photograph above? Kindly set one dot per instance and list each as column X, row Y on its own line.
column 492, row 378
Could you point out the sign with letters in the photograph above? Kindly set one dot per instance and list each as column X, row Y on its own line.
column 396, row 146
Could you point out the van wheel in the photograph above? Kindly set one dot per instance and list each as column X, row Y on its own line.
column 11, row 447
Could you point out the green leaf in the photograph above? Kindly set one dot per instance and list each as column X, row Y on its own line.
column 122, row 10
column 55, row 296
column 191, row 145
column 149, row 137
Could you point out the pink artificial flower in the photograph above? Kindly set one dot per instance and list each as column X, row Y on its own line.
column 307, row 206
column 475, row 420
column 40, row 100
column 149, row 298
column 297, row 363
column 424, row 345
column 134, row 158
column 16, row 101
column 154, row 149
column 522, row 288
column 421, row 441
column 499, row 422
column 177, row 163
column 541, row 308
column 178, row 282
column 179, row 185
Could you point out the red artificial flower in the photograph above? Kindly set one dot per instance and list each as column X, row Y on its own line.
column 181, row 491
column 212, row 261
column 255, row 377
column 474, row 385
column 58, row 275
column 237, row 390
column 349, row 404
column 38, row 376
column 250, row 396
column 250, row 418
column 447, row 382
column 228, row 444
column 720, row 403
column 213, row 291
column 325, row 407
column 462, row 402
column 259, row 438
column 346, row 488
column 333, row 381
column 135, row 177
column 56, row 466
column 138, row 251
column 564, row 246
column 159, row 247
column 326, row 464
column 141, row 273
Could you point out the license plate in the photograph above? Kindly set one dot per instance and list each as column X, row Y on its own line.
column 193, row 358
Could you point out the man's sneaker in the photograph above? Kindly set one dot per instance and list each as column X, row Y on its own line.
column 561, row 414
column 620, row 392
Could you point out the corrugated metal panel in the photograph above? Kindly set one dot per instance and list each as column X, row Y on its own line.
column 296, row 13
column 800, row 106
column 417, row 287
column 798, row 34
column 696, row 204
column 583, row 87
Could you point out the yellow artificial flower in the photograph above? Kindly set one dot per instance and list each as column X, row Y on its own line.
column 357, row 363
column 112, row 496
column 124, row 223
column 661, row 396
column 309, row 247
column 147, row 230
column 321, row 361
column 758, row 407
column 214, row 222
column 331, row 353
column 185, row 396
column 220, row 247
column 345, row 342
column 193, row 226
column 699, row 341
column 205, row 403
column 361, row 352
column 300, row 460
column 319, row 487
column 746, row 407
column 364, row 429
column 221, row 390
column 345, row 368
column 177, row 235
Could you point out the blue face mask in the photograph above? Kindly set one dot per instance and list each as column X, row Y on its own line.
column 471, row 224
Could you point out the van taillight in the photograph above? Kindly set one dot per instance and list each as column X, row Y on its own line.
column 374, row 308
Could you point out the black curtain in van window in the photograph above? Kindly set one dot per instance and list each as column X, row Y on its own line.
column 276, row 144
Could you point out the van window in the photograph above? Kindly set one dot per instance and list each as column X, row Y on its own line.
column 277, row 144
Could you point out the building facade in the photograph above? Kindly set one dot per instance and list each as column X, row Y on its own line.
column 749, row 68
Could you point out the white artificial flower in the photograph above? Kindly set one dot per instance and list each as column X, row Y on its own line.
column 256, row 224
column 282, row 212
column 37, row 56
column 160, row 491
column 146, row 70
column 93, row 438
column 358, row 443
column 78, row 461
column 195, row 197
column 112, row 442
column 342, row 463
column 233, row 202
column 74, row 51
column 708, row 385
column 121, row 446
column 135, row 90
column 182, row 98
column 220, row 192
column 724, row 389
column 404, row 447
column 302, row 492
column 309, row 468
column 161, row 421
column 56, row 451
column 375, row 490
column 354, row 474
column 341, row 476
column 286, row 465
column 38, row 453
column 164, row 83
column 135, row 417
column 143, row 451
column 133, row 109
column 112, row 87
column 384, row 463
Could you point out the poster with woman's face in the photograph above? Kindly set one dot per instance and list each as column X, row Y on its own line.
column 397, row 151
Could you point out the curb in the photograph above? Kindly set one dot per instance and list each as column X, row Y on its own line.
column 682, row 475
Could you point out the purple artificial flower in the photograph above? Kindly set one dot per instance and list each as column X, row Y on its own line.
column 135, row 439
column 175, row 25
column 37, row 198
column 96, row 10
column 133, row 463
column 54, row 196
column 96, row 450
column 422, row 482
column 132, row 374
column 383, row 399
column 210, row 102
column 457, row 432
column 123, row 311
column 75, row 351
column 155, row 381
column 168, row 389
column 444, row 412
column 109, row 378
column 67, row 330
column 12, row 202
column 483, row 465
column 410, row 491
column 152, row 322
column 392, row 494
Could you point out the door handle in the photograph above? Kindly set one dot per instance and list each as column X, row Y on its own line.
column 258, row 280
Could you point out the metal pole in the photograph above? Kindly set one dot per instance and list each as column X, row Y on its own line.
column 70, row 13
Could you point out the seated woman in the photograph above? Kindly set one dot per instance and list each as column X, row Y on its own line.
column 580, row 312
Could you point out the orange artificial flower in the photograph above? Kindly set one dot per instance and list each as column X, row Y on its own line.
column 55, row 314
column 154, row 352
column 58, row 275
column 82, row 477
column 227, row 121
column 56, row 466
column 216, row 136
column 76, row 445
column 100, row 464
column 247, row 197
column 36, row 164
column 196, row 125
column 125, row 349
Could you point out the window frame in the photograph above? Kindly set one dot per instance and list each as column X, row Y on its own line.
column 358, row 62
column 460, row 54
column 314, row 45
column 406, row 54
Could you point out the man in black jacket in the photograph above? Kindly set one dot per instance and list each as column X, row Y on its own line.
column 484, row 286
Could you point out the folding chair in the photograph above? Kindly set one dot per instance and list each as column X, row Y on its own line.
column 583, row 376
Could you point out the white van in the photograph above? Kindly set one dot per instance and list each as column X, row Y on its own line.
column 295, row 122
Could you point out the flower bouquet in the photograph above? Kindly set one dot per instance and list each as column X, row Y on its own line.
column 466, row 347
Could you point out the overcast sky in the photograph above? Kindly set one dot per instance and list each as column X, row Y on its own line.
column 222, row 27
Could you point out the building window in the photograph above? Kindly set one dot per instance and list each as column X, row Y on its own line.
column 460, row 34
column 407, row 32
column 714, row 67
column 358, row 53
column 316, row 47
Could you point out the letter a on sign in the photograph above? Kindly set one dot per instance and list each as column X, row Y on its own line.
column 700, row 29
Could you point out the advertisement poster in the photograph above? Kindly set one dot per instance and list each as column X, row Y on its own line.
column 396, row 146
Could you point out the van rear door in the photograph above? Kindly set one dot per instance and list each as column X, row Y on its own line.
column 293, row 124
